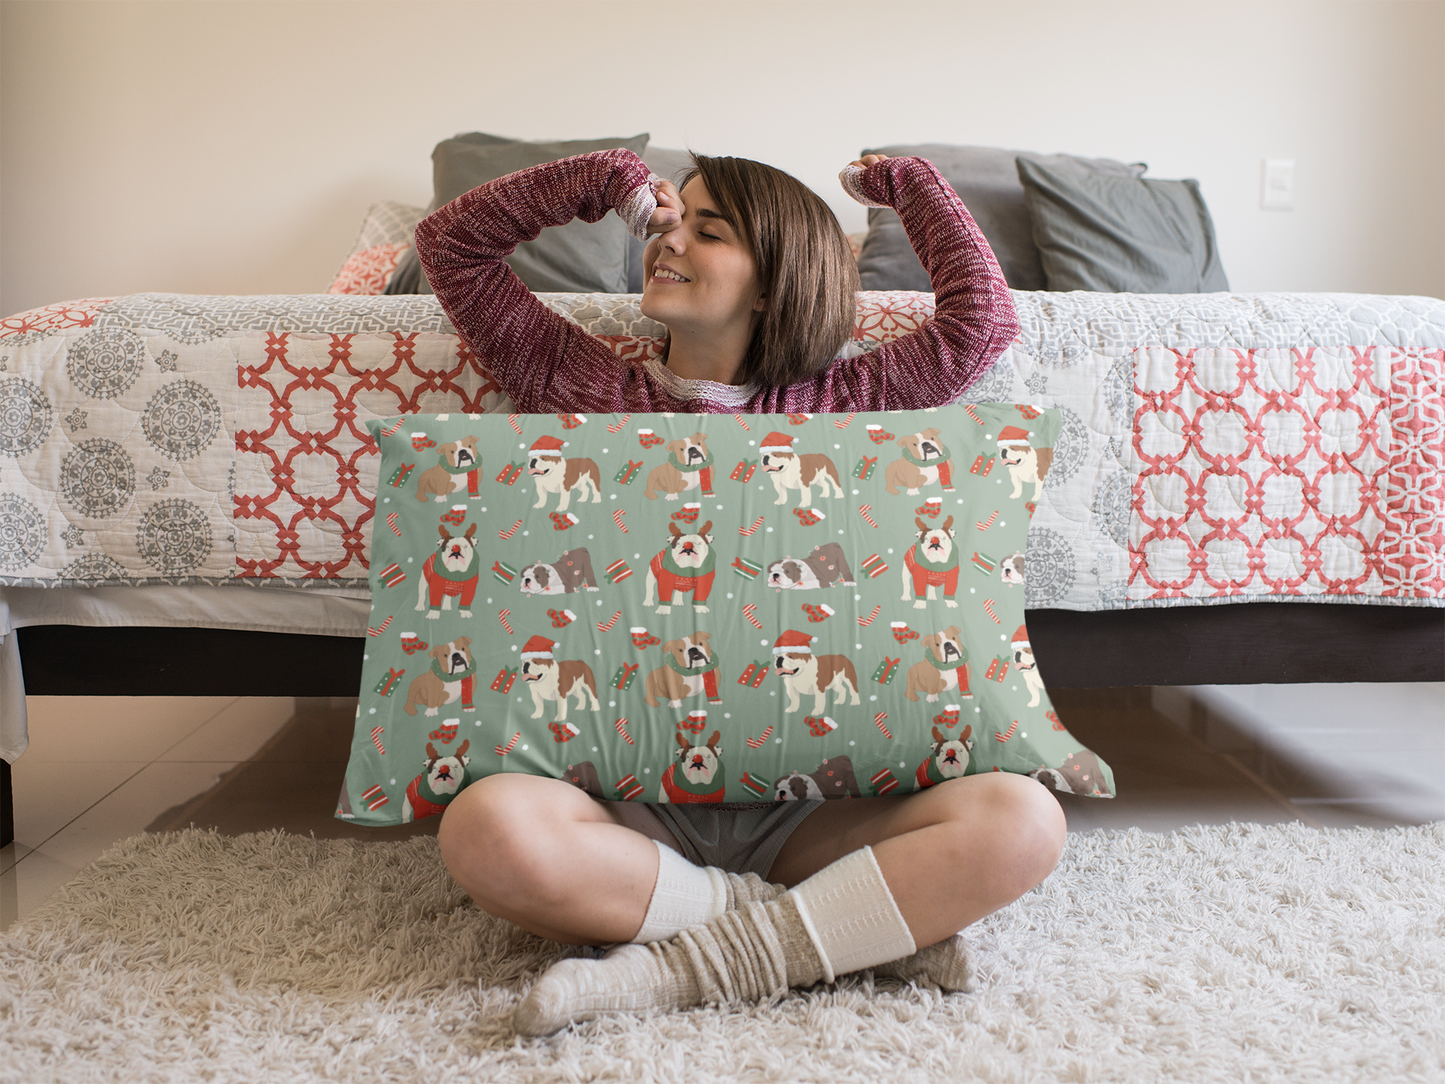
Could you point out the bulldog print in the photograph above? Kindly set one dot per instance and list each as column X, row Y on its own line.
column 1025, row 463
column 931, row 563
column 456, row 469
column 947, row 758
column 688, row 467
column 944, row 668
column 1011, row 569
column 552, row 472
column 833, row 779
column 686, row 565
column 1078, row 774
column 1025, row 665
column 442, row 776
column 925, row 461
column 585, row 778
column 690, row 670
column 450, row 572
column 790, row 470
column 452, row 677
column 824, row 567
column 807, row 674
column 549, row 678
column 568, row 574
column 694, row 776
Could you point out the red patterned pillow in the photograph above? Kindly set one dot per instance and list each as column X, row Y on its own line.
column 368, row 271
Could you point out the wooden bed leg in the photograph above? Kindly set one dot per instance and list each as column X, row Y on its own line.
column 7, row 805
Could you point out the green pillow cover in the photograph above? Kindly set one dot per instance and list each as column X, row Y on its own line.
column 704, row 608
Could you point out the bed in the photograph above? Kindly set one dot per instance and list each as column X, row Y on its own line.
column 1248, row 487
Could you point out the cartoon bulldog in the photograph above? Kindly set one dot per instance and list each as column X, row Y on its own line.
column 925, row 461
column 566, row 575
column 1078, row 774
column 944, row 668
column 1025, row 665
column 585, row 778
column 451, row 572
column 452, row 676
column 947, row 759
column 833, row 779
column 1011, row 569
column 689, row 778
column 553, row 473
column 456, row 469
column 442, row 776
column 824, row 567
column 685, row 565
column 806, row 674
column 1024, row 463
column 691, row 670
column 688, row 467
column 789, row 470
column 930, row 564
column 556, row 679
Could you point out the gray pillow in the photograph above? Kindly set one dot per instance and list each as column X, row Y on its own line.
column 585, row 257
column 987, row 181
column 1121, row 234
column 670, row 165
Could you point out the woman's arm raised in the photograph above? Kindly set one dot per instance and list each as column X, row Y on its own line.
column 543, row 361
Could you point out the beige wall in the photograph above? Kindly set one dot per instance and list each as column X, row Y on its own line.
column 233, row 147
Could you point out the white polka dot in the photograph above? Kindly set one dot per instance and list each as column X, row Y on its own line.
column 855, row 493
column 977, row 710
column 973, row 590
column 840, row 532
column 514, row 647
column 524, row 748
column 526, row 533
column 364, row 658
column 872, row 698
column 852, row 743
column 1023, row 735
column 890, row 551
column 614, row 496
column 900, row 763
column 836, row 446
column 770, row 530
column 612, row 703
column 387, row 501
column 858, row 646
column 763, row 642
column 594, row 748
column 719, row 508
column 773, row 693
column 409, row 560
column 373, row 711
column 393, row 782
column 589, row 537
column 637, row 556
column 597, row 652
column 752, row 443
column 777, row 741
column 604, row 452
column 646, row 771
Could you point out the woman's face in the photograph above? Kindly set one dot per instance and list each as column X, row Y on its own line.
column 700, row 276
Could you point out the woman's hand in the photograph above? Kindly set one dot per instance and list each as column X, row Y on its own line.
column 868, row 160
column 669, row 209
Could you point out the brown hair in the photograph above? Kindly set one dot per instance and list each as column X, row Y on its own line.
column 805, row 266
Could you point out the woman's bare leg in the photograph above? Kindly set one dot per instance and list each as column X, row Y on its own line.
column 951, row 854
column 541, row 853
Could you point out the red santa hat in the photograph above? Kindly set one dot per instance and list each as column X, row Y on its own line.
column 538, row 647
column 1012, row 434
column 1021, row 638
column 547, row 446
column 776, row 442
column 794, row 643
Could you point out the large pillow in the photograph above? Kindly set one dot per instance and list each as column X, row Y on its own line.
column 690, row 608
column 987, row 181
column 578, row 257
column 1121, row 234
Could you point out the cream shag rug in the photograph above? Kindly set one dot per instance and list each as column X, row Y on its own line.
column 1222, row 953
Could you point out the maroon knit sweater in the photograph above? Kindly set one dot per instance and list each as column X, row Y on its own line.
column 547, row 363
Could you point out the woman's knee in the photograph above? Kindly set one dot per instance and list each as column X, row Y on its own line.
column 1018, row 815
column 492, row 837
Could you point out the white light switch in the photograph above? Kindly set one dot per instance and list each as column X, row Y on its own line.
column 1276, row 191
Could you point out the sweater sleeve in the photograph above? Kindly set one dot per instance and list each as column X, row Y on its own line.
column 973, row 322
column 536, row 356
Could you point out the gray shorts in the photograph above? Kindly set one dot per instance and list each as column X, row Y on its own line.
column 739, row 839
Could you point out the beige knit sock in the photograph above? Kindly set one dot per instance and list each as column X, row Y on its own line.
column 945, row 964
column 686, row 895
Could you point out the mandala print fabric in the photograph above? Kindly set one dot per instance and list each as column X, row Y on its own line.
column 703, row 608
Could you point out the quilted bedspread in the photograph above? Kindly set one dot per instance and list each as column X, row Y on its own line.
column 1215, row 448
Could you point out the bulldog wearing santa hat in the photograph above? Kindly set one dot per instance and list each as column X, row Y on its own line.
column 554, row 473
column 1025, row 463
column 789, row 470
column 807, row 674
column 1025, row 666
column 548, row 678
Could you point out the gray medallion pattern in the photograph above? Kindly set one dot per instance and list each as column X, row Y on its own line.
column 182, row 419
column 22, row 532
column 995, row 386
column 98, row 478
column 1070, row 449
column 104, row 363
column 94, row 570
column 1050, row 568
column 174, row 537
column 1112, row 506
column 25, row 416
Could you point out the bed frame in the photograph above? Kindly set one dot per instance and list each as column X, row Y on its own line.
column 1242, row 644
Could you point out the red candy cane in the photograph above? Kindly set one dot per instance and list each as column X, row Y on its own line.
column 503, row 750
column 973, row 414
column 757, row 743
column 988, row 605
column 510, row 531
column 864, row 510
column 377, row 630
column 619, row 425
column 607, row 626
column 512, row 421
column 376, row 740
column 750, row 531
column 391, row 522
column 844, row 423
column 744, row 424
column 750, row 611
column 984, row 525
column 390, row 431
column 878, row 722
column 1009, row 733
column 621, row 726
column 617, row 519
column 502, row 616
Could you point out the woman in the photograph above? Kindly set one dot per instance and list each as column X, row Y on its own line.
column 752, row 276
